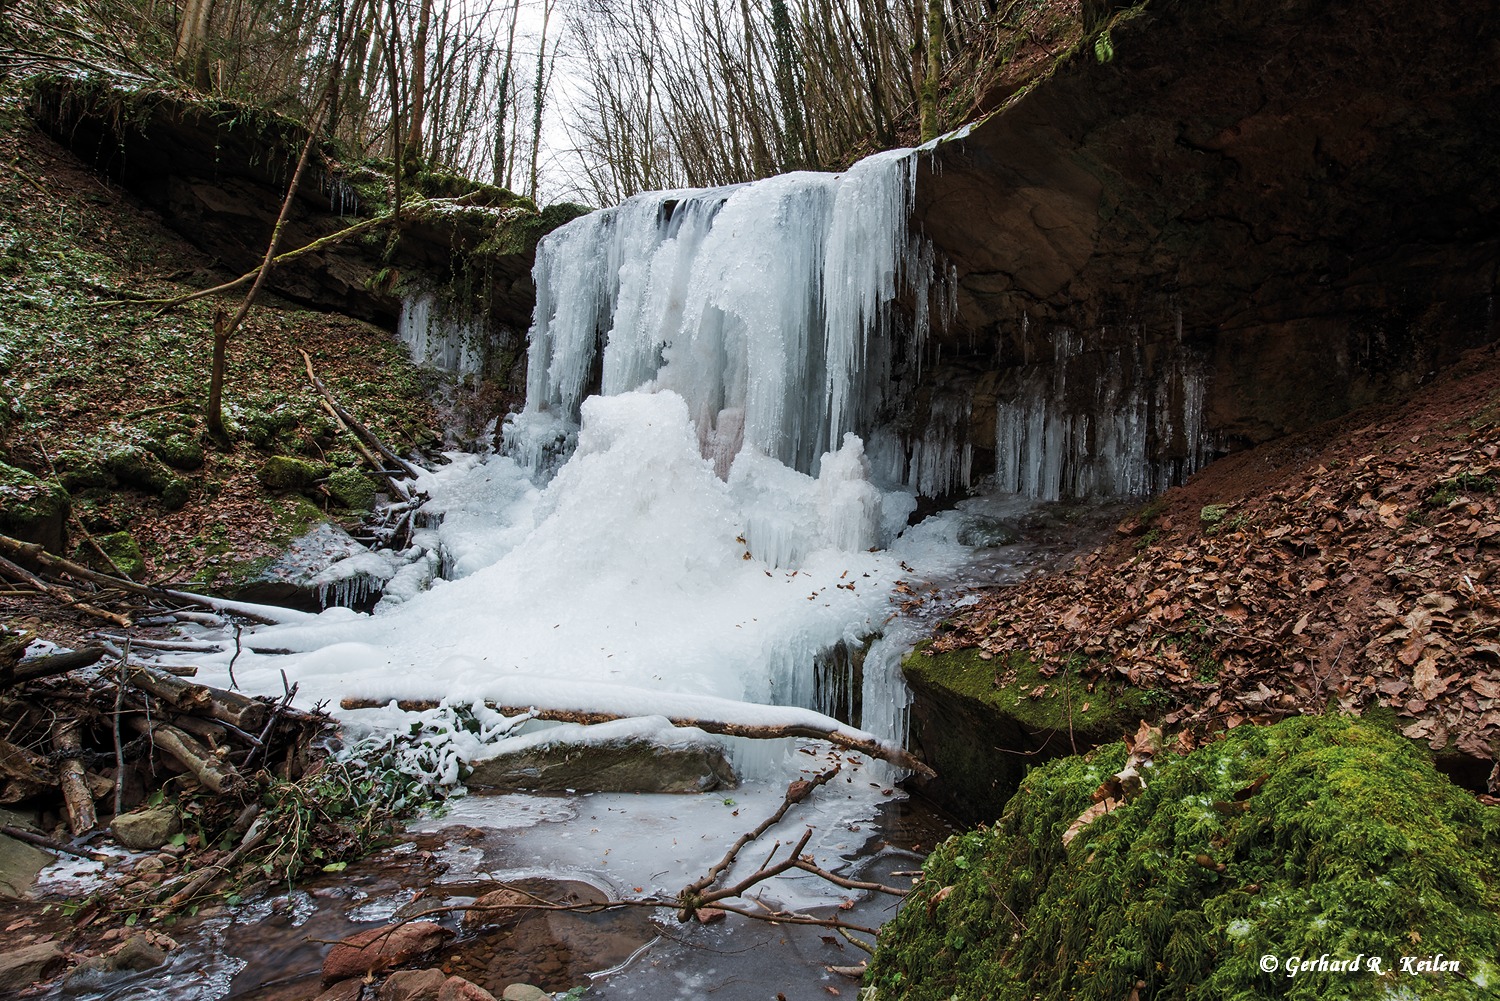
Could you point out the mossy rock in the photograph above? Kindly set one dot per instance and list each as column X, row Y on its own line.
column 180, row 451
column 78, row 470
column 123, row 551
column 1316, row 836
column 351, row 488
column 283, row 472
column 33, row 509
column 133, row 466
column 981, row 723
column 263, row 428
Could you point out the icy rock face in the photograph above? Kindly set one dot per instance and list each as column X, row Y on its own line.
column 436, row 339
column 765, row 306
column 1100, row 427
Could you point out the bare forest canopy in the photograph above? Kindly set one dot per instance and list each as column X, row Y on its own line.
column 584, row 99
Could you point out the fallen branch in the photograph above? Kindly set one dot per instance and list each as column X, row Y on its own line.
column 75, row 788
column 35, row 668
column 869, row 748
column 219, row 776
column 689, row 902
column 848, row 884
column 257, row 833
column 20, row 573
column 355, row 427
column 796, row 792
column 52, row 844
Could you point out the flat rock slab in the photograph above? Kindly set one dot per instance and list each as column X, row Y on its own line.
column 19, row 865
column 28, row 965
column 622, row 756
column 413, row 985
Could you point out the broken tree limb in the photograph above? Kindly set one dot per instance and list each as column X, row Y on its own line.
column 848, row 884
column 218, row 776
column 258, row 832
column 692, row 902
column 870, row 748
column 796, row 792
column 77, row 796
column 239, row 711
column 371, row 459
column 364, row 434
column 33, row 668
column 52, row 844
column 183, row 695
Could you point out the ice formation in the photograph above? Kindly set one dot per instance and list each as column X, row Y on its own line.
column 1122, row 433
column 437, row 339
column 765, row 306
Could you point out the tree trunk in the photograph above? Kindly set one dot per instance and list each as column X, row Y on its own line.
column 931, row 128
column 414, row 137
column 191, row 56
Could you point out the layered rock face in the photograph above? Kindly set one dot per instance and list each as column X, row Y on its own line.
column 218, row 172
column 1269, row 213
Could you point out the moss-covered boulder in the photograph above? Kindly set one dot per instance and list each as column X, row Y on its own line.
column 351, row 488
column 33, row 509
column 180, row 451
column 134, row 466
column 982, row 722
column 79, row 470
column 1317, row 839
column 284, row 472
column 123, row 551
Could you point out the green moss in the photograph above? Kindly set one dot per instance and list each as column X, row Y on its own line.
column 133, row 466
column 1447, row 491
column 124, row 552
column 351, row 488
column 1318, row 835
column 1016, row 687
column 78, row 470
column 282, row 472
column 180, row 451
column 31, row 508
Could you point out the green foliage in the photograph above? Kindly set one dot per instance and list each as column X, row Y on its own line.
column 335, row 815
column 1449, row 490
column 1104, row 49
column 1316, row 835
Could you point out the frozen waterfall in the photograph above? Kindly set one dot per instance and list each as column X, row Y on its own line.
column 765, row 306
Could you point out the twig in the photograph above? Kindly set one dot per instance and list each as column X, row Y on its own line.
column 119, row 746
column 17, row 572
column 796, row 792
column 257, row 833
column 848, row 884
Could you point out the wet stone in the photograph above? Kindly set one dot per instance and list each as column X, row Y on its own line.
column 413, row 985
column 459, row 989
column 382, row 948
column 524, row 992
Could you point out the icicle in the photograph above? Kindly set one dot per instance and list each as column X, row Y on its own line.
column 435, row 339
column 1129, row 434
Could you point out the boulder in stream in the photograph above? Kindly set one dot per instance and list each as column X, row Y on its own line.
column 632, row 755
